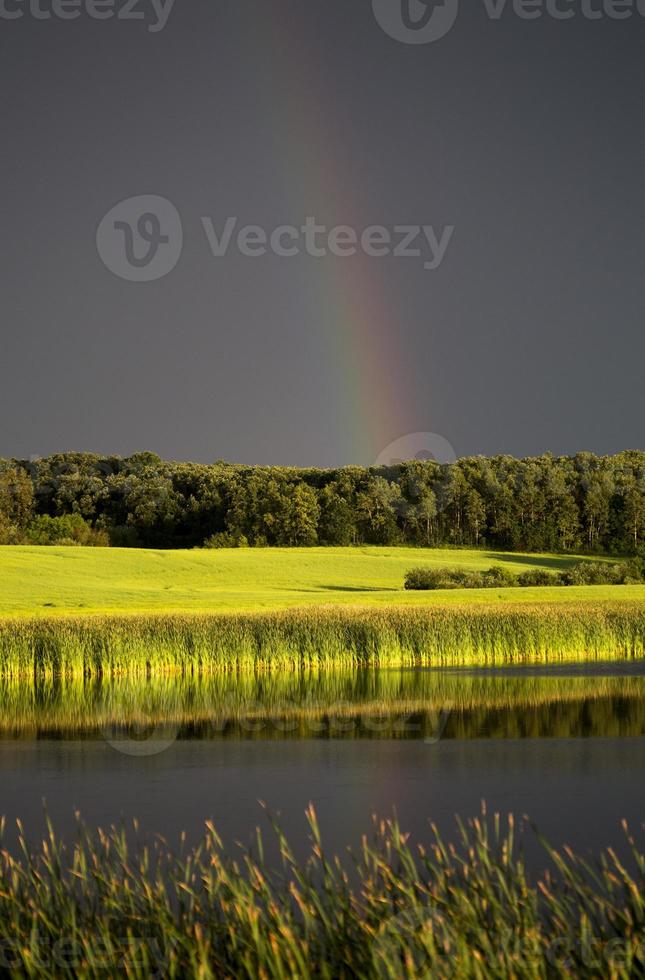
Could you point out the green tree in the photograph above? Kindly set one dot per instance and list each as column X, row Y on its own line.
column 634, row 510
column 563, row 519
column 475, row 514
column 425, row 513
column 336, row 523
column 376, row 511
column 16, row 502
column 452, row 494
column 297, row 517
column 598, row 492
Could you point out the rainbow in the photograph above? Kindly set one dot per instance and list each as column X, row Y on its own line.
column 364, row 349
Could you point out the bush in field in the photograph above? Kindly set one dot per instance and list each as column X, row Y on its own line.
column 627, row 573
column 603, row 573
column 631, row 572
column 636, row 568
column 424, row 579
column 498, row 577
column 539, row 576
column 589, row 573
column 71, row 529
column 427, row 579
column 583, row 573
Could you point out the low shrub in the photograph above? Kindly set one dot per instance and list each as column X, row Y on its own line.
column 498, row 577
column 583, row 573
column 604, row 573
column 636, row 569
column 539, row 576
column 427, row 579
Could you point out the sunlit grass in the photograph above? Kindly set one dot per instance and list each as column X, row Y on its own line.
column 75, row 610
column 322, row 638
column 61, row 581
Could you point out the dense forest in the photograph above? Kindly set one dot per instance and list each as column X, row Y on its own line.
column 578, row 503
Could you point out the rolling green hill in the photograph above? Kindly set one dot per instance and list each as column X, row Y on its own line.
column 51, row 581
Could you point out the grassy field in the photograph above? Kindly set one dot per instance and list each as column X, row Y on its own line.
column 53, row 581
column 103, row 611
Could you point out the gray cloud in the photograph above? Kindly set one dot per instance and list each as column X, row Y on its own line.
column 526, row 136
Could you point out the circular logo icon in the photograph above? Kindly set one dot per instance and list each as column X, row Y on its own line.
column 421, row 446
column 416, row 21
column 438, row 727
column 141, row 238
column 140, row 738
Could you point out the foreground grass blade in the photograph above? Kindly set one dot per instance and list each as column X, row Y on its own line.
column 106, row 906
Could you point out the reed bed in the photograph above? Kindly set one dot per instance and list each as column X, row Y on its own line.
column 322, row 638
column 343, row 703
column 106, row 906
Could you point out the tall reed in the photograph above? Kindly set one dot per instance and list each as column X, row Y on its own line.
column 322, row 637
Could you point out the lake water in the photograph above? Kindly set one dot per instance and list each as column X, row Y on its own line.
column 565, row 745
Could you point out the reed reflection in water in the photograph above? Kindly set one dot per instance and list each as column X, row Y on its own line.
column 364, row 703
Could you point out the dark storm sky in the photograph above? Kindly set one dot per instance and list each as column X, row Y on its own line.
column 526, row 135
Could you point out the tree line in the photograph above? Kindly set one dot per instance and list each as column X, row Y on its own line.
column 570, row 503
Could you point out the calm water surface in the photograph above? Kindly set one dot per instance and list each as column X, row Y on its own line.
column 566, row 746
